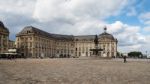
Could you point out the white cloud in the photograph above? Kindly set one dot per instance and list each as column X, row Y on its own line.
column 115, row 27
column 132, row 12
column 129, row 37
column 147, row 29
column 48, row 10
column 147, row 22
column 17, row 6
column 126, row 49
column 16, row 14
column 145, row 18
column 79, row 16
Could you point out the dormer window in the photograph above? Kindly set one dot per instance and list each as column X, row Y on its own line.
column 28, row 32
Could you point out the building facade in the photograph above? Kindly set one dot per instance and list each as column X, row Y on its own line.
column 11, row 44
column 4, row 38
column 36, row 43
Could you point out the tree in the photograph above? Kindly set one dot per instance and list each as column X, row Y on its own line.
column 135, row 54
column 119, row 55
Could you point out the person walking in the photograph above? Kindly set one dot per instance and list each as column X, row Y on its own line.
column 125, row 60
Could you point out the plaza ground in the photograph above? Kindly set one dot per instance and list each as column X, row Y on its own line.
column 74, row 71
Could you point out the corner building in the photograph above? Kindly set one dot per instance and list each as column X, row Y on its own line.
column 36, row 43
column 4, row 38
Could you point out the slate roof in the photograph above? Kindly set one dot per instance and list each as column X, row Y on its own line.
column 33, row 30
column 84, row 37
column 106, row 35
column 62, row 37
column 1, row 24
column 3, row 27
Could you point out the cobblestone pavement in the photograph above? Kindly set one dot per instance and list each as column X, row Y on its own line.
column 74, row 71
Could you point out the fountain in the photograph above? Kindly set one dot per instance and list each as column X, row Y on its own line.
column 96, row 49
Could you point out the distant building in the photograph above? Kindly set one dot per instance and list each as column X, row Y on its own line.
column 11, row 44
column 36, row 43
column 4, row 38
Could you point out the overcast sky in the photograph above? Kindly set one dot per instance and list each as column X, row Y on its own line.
column 127, row 20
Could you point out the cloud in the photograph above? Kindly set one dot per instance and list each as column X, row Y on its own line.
column 129, row 36
column 17, row 6
column 132, row 12
column 16, row 14
column 145, row 18
column 68, row 16
column 15, row 23
column 147, row 29
column 77, row 10
column 126, row 49
column 78, row 16
column 115, row 27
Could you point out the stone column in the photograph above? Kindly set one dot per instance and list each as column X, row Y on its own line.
column 2, row 39
column 110, row 50
column 7, row 45
column 1, row 44
column 115, row 50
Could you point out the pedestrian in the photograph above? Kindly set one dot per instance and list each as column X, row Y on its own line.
column 124, row 57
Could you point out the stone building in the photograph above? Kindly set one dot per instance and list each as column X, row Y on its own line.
column 34, row 42
column 83, row 44
column 4, row 38
column 37, row 43
column 108, row 43
column 11, row 44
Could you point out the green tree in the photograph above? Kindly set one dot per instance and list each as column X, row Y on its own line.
column 119, row 54
column 135, row 54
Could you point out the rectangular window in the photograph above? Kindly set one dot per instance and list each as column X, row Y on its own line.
column 82, row 49
column 72, row 51
column 30, row 38
column 86, row 53
column 57, row 51
column 79, row 48
column 30, row 44
column 86, row 49
column 79, row 53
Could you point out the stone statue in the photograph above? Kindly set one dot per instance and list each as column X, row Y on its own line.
column 105, row 29
column 96, row 49
column 96, row 40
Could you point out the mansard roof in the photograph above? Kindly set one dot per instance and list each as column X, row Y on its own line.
column 28, row 30
column 106, row 35
column 32, row 30
column 2, row 26
column 84, row 37
column 62, row 37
